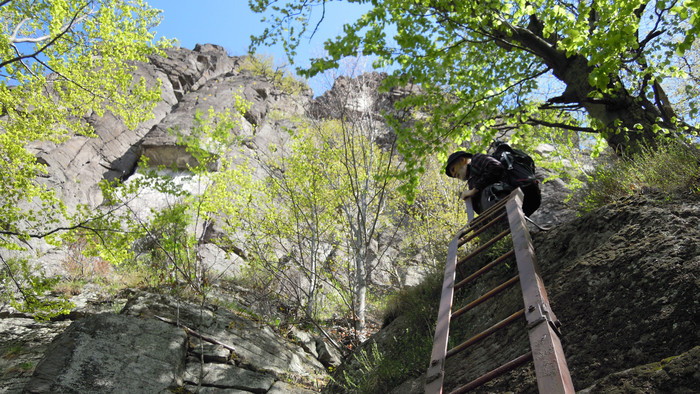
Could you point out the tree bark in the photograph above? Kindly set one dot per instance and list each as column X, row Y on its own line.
column 626, row 121
column 360, row 294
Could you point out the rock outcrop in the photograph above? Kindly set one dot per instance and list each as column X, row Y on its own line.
column 190, row 80
column 156, row 344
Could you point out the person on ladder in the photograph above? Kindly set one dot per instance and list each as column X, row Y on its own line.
column 491, row 178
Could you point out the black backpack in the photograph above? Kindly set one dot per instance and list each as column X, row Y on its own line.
column 520, row 168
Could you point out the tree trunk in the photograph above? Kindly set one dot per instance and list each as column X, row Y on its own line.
column 311, row 298
column 360, row 293
column 626, row 121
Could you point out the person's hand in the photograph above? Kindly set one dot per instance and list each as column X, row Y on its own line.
column 467, row 193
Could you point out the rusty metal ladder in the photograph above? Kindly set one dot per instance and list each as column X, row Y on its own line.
column 551, row 370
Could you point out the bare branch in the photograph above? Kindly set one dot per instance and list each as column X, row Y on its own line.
column 13, row 37
column 323, row 15
column 196, row 334
column 66, row 29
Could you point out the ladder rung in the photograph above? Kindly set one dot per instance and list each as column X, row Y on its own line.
column 486, row 296
column 486, row 214
column 493, row 209
column 509, row 366
column 484, row 246
column 482, row 229
column 503, row 323
column 485, row 269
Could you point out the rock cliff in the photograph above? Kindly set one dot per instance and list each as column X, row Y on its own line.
column 623, row 279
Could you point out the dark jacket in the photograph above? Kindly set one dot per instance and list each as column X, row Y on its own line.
column 483, row 171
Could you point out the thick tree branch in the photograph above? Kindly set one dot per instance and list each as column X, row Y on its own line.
column 538, row 122
column 663, row 103
column 538, row 46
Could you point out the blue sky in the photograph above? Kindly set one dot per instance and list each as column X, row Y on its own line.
column 230, row 23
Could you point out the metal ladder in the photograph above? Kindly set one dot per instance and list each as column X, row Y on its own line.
column 551, row 370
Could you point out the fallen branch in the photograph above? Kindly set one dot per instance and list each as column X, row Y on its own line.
column 195, row 333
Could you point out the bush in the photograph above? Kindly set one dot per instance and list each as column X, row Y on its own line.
column 280, row 77
column 671, row 168
column 378, row 367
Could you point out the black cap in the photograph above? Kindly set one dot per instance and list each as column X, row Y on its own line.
column 454, row 157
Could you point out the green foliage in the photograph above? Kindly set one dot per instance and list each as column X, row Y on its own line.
column 363, row 379
column 293, row 221
column 62, row 60
column 264, row 66
column 25, row 287
column 312, row 220
column 163, row 240
column 684, row 91
column 480, row 65
column 671, row 168
column 435, row 215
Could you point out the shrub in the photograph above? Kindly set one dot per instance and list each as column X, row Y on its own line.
column 379, row 367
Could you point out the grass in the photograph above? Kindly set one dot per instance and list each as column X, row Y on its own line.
column 403, row 352
column 670, row 169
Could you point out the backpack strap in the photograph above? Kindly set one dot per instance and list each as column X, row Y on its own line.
column 507, row 159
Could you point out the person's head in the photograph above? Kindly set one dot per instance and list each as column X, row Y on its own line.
column 457, row 165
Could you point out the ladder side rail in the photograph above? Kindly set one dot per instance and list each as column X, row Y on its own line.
column 436, row 369
column 551, row 369
column 470, row 210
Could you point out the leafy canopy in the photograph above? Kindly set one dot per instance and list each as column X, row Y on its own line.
column 480, row 64
column 59, row 61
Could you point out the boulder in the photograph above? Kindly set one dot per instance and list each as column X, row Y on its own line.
column 112, row 353
column 256, row 346
column 327, row 354
column 158, row 344
column 224, row 376
column 304, row 339
column 23, row 343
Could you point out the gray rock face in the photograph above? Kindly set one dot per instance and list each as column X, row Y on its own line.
column 257, row 346
column 228, row 376
column 190, row 80
column 327, row 354
column 111, row 354
column 189, row 70
column 156, row 344
column 23, row 343
column 553, row 210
